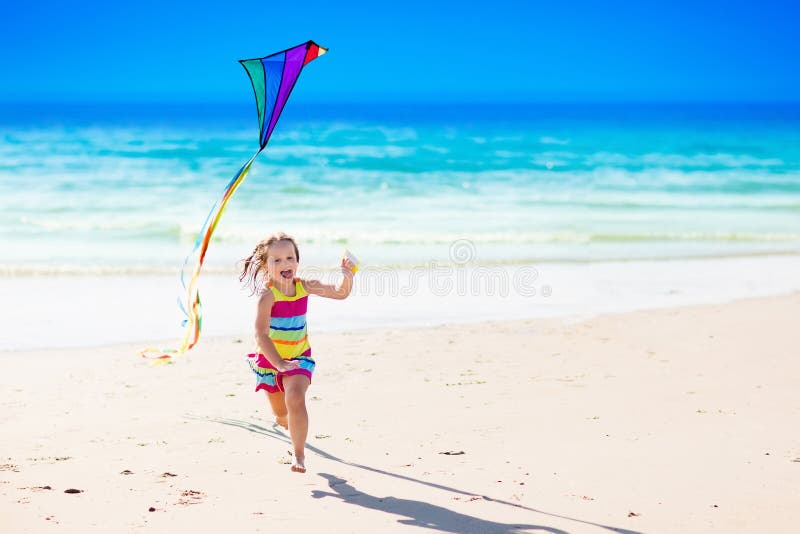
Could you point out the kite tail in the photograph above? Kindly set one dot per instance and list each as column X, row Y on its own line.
column 193, row 311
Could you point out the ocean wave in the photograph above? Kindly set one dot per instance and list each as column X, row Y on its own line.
column 676, row 160
column 232, row 269
column 248, row 227
column 349, row 151
column 119, row 227
column 407, row 237
column 457, row 208
column 103, row 270
column 141, row 152
column 624, row 202
column 761, row 237
column 549, row 140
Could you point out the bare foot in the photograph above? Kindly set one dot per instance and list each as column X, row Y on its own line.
column 299, row 466
column 283, row 421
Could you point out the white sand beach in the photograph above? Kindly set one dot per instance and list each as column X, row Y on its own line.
column 673, row 420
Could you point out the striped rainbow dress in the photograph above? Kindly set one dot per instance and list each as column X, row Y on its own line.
column 287, row 330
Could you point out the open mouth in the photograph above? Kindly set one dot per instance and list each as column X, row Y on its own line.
column 288, row 273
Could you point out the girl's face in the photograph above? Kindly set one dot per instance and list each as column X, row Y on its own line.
column 282, row 261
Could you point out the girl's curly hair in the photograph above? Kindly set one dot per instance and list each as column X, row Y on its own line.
column 254, row 272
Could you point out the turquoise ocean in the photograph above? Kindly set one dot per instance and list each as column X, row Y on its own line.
column 118, row 189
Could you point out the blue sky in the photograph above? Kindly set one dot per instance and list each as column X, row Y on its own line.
column 405, row 51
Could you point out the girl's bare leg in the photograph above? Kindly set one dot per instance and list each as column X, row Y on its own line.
column 278, row 403
column 295, row 387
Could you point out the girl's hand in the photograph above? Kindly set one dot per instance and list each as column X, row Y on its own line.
column 288, row 365
column 348, row 266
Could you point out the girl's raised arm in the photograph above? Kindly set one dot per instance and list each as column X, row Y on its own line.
column 339, row 291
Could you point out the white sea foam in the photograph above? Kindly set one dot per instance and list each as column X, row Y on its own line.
column 350, row 151
column 549, row 140
column 131, row 308
column 700, row 160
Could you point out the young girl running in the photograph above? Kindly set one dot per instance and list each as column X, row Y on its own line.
column 282, row 362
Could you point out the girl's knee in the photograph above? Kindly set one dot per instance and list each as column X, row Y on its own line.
column 295, row 399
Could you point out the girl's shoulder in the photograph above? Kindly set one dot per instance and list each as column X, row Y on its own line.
column 300, row 288
column 266, row 296
column 307, row 285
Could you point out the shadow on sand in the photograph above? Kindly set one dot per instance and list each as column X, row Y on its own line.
column 420, row 513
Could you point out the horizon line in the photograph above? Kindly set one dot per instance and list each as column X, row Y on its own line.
column 448, row 102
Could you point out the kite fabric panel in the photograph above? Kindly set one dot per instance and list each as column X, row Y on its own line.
column 273, row 78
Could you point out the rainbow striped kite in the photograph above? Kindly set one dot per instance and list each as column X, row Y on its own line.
column 273, row 78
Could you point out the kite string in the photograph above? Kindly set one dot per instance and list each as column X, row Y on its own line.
column 195, row 315
column 193, row 309
column 238, row 177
